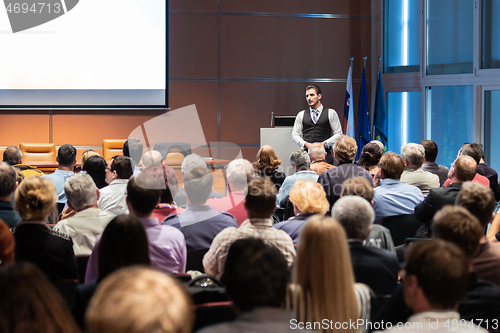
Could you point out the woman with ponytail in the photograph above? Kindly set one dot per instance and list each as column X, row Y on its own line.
column 370, row 156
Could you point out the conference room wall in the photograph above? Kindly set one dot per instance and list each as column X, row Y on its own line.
column 262, row 64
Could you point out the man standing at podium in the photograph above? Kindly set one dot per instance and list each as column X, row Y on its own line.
column 313, row 125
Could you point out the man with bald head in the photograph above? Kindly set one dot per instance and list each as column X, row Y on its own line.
column 14, row 156
column 317, row 154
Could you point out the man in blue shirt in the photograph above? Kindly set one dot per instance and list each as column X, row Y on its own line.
column 391, row 196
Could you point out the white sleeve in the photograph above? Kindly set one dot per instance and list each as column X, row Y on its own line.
column 297, row 130
column 335, row 126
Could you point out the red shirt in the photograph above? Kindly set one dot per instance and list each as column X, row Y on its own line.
column 234, row 204
column 477, row 179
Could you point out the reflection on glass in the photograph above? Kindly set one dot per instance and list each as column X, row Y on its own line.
column 449, row 36
column 490, row 34
column 402, row 36
column 449, row 117
column 404, row 113
column 491, row 134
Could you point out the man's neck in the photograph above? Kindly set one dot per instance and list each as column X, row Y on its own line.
column 316, row 107
column 65, row 167
column 455, row 180
column 142, row 216
column 87, row 207
column 6, row 198
column 413, row 166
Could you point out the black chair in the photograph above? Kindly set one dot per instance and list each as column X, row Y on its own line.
column 81, row 262
column 66, row 288
column 194, row 261
column 402, row 227
column 213, row 313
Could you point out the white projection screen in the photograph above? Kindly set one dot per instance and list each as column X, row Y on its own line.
column 84, row 54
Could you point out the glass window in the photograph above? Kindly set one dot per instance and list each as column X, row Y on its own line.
column 490, row 34
column 449, row 119
column 404, row 119
column 402, row 36
column 449, row 36
column 491, row 136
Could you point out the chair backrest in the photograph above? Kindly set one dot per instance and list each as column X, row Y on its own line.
column 173, row 147
column 81, row 262
column 213, row 313
column 38, row 152
column 66, row 288
column 194, row 261
column 112, row 147
column 402, row 227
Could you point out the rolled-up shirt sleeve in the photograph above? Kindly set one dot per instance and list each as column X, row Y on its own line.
column 297, row 130
column 335, row 126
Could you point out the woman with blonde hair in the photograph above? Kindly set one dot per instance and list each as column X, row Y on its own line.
column 51, row 251
column 267, row 166
column 324, row 285
column 308, row 198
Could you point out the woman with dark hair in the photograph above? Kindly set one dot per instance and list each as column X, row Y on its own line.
column 267, row 166
column 7, row 244
column 30, row 303
column 96, row 167
column 123, row 243
column 370, row 156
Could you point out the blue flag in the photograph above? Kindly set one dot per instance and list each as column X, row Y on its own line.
column 380, row 114
column 363, row 118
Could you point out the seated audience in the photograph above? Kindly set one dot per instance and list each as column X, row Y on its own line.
column 391, row 196
column 260, row 204
column 30, row 303
column 413, row 156
column 317, row 154
column 379, row 236
column 166, row 175
column 14, row 156
column 89, row 221
column 377, row 268
column 430, row 165
column 308, row 198
column 256, row 276
column 86, row 155
column 470, row 149
column 7, row 245
column 123, row 243
column 8, row 184
column 344, row 152
column 323, row 284
column 267, row 166
column 480, row 202
column 134, row 148
column 50, row 250
column 152, row 158
column 138, row 300
column 97, row 168
column 464, row 169
column 370, row 156
column 199, row 223
column 167, row 247
column 485, row 170
column 190, row 162
column 112, row 197
column 300, row 162
column 66, row 159
column 238, row 173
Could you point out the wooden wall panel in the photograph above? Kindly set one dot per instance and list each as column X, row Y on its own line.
column 23, row 127
column 280, row 47
column 198, row 5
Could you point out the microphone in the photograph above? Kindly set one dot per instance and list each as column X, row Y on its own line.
column 272, row 118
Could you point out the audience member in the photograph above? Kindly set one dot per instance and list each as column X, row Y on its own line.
column 133, row 148
column 30, row 303
column 469, row 149
column 112, row 197
column 413, row 155
column 138, row 300
column 379, row 236
column 308, row 198
column 167, row 247
column 152, row 158
column 485, row 170
column 66, row 159
column 8, row 184
column 377, row 268
column 256, row 276
column 344, row 152
column 192, row 161
column 165, row 175
column 86, row 155
column 317, row 154
column 300, row 162
column 51, row 251
column 370, row 156
column 7, row 245
column 431, row 151
column 96, row 167
column 260, row 204
column 464, row 169
column 89, row 221
column 480, row 202
column 14, row 156
column 267, row 166
column 124, row 243
column 238, row 173
column 391, row 196
column 324, row 287
column 200, row 223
